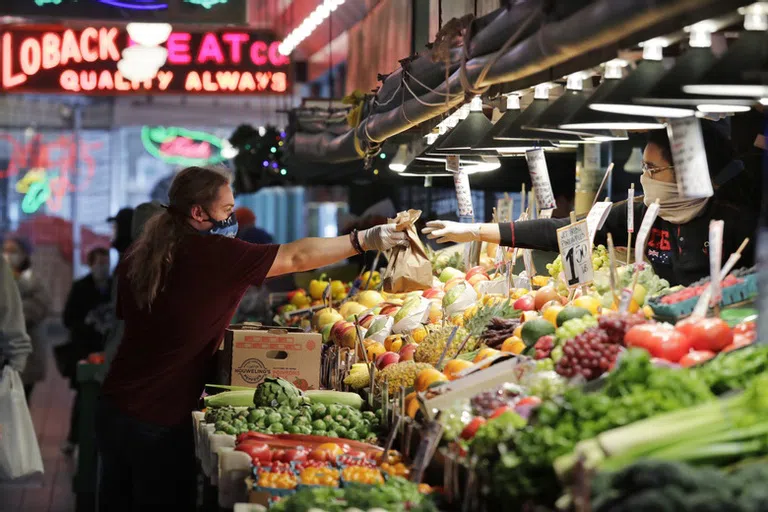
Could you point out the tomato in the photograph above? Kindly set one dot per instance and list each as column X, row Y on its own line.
column 532, row 401
column 471, row 429
column 326, row 452
column 257, row 451
column 660, row 340
column 499, row 411
column 739, row 340
column 695, row 357
column 711, row 334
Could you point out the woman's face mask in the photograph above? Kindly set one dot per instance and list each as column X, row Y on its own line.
column 227, row 227
column 672, row 207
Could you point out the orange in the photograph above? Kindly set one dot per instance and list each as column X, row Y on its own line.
column 513, row 344
column 427, row 377
column 485, row 353
column 454, row 366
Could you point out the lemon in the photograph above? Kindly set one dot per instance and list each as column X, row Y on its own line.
column 588, row 302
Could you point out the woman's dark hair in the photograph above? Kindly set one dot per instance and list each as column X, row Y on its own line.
column 720, row 152
column 95, row 252
column 152, row 255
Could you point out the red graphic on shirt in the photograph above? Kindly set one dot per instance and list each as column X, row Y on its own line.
column 659, row 239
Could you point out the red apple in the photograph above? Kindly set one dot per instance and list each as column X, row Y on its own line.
column 525, row 303
column 366, row 320
column 336, row 329
column 432, row 293
column 386, row 359
column 544, row 295
column 453, row 282
column 390, row 310
column 477, row 278
column 407, row 351
column 476, row 270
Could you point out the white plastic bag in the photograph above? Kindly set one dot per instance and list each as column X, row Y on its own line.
column 20, row 459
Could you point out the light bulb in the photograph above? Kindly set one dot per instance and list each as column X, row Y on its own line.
column 149, row 34
column 653, row 48
column 575, row 82
column 541, row 92
column 150, row 56
column 513, row 102
column 136, row 71
column 476, row 105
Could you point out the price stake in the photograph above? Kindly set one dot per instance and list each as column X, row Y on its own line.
column 630, row 219
column 530, row 269
column 504, row 209
column 607, row 174
column 447, row 346
column 596, row 218
column 392, row 434
column 429, row 441
column 703, row 304
column 715, row 258
column 612, row 271
column 645, row 229
column 573, row 241
column 537, row 167
column 689, row 157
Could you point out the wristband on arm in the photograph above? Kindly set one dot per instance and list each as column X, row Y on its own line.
column 507, row 234
column 355, row 240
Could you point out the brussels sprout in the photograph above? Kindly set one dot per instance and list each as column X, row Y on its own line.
column 277, row 428
column 318, row 411
column 332, row 433
column 256, row 414
column 274, row 417
column 352, row 435
column 334, row 409
column 321, row 433
column 318, row 425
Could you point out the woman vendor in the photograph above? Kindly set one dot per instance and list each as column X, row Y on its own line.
column 677, row 245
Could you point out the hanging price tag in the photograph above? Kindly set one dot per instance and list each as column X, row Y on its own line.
column 463, row 194
column 504, row 209
column 574, row 244
column 537, row 167
column 596, row 218
column 530, row 269
column 546, row 213
column 715, row 257
column 691, row 170
column 631, row 210
column 645, row 229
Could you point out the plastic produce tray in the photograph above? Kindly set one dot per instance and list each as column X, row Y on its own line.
column 735, row 294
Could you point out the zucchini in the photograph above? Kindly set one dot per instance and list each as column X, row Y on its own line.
column 335, row 397
column 240, row 398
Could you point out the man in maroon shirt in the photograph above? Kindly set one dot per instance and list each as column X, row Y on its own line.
column 178, row 289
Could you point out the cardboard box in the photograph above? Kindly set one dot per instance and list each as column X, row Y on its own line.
column 252, row 352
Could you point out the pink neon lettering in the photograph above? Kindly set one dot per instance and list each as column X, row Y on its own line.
column 181, row 146
column 178, row 48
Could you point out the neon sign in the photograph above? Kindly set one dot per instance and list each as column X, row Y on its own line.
column 50, row 168
column 139, row 6
column 179, row 146
column 85, row 61
column 206, row 4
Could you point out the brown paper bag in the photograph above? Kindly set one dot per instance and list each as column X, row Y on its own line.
column 409, row 267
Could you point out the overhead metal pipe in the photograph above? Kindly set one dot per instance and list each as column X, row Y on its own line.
column 600, row 24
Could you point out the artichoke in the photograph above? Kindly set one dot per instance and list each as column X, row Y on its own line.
column 274, row 392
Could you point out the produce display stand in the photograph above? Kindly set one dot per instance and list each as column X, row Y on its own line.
column 85, row 479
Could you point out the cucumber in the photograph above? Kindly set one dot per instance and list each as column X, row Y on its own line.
column 335, row 397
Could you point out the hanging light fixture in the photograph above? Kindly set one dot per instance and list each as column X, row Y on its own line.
column 736, row 72
column 619, row 99
column 403, row 157
column 153, row 57
column 310, row 23
column 587, row 119
column 468, row 131
column 135, row 70
column 572, row 99
column 149, row 34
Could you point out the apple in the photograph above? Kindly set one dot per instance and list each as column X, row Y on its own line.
column 453, row 282
column 335, row 329
column 370, row 298
column 374, row 350
column 366, row 320
column 390, row 309
column 476, row 270
column 449, row 273
column 433, row 293
column 525, row 303
column 477, row 278
column 545, row 295
column 326, row 316
column 435, row 312
column 386, row 359
column 351, row 308
column 407, row 351
column 393, row 342
column 345, row 335
column 327, row 333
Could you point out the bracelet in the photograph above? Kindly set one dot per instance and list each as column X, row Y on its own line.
column 356, row 242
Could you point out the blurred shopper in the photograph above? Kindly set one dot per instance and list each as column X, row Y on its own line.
column 141, row 216
column 86, row 316
column 178, row 288
column 247, row 230
column 15, row 346
column 121, row 230
column 36, row 304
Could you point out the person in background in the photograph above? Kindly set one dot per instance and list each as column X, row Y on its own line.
column 178, row 288
column 36, row 304
column 248, row 232
column 84, row 316
column 678, row 242
column 121, row 231
column 141, row 215
column 15, row 346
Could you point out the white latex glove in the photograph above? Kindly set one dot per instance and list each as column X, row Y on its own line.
column 383, row 238
column 456, row 232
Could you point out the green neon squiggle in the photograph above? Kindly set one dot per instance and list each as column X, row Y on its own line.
column 153, row 136
column 206, row 3
column 36, row 196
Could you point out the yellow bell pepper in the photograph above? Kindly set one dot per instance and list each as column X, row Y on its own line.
column 338, row 290
column 375, row 280
column 317, row 287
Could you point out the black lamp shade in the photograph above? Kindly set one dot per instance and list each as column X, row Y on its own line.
column 466, row 134
column 636, row 84
column 490, row 143
column 515, row 128
column 566, row 105
column 739, row 72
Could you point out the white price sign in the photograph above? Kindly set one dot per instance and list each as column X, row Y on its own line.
column 691, row 170
column 463, row 194
column 631, row 210
column 537, row 167
column 645, row 229
column 504, row 209
column 596, row 218
column 715, row 257
column 546, row 213
column 576, row 253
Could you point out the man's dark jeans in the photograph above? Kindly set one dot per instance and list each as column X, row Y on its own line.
column 144, row 466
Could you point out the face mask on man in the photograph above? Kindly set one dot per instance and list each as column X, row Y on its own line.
column 14, row 259
column 672, row 207
column 227, row 227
